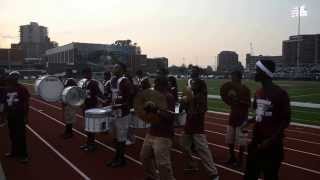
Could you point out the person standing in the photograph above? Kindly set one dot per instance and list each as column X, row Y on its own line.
column 2, row 97
column 16, row 108
column 93, row 93
column 122, row 102
column 69, row 112
column 196, row 107
column 155, row 151
column 238, row 98
column 273, row 116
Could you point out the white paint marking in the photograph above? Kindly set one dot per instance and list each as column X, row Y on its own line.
column 59, row 154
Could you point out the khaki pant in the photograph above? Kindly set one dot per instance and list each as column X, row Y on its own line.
column 155, row 154
column 70, row 113
column 120, row 127
column 201, row 146
column 236, row 136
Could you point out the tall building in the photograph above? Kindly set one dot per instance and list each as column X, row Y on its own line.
column 34, row 40
column 309, row 49
column 227, row 60
column 252, row 60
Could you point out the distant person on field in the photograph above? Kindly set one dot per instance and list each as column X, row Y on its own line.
column 273, row 115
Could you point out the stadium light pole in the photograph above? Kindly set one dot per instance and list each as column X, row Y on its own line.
column 299, row 12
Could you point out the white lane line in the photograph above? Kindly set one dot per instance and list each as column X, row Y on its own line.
column 288, row 130
column 283, row 163
column 59, row 154
column 213, row 132
column 286, row 148
column 82, row 134
column 132, row 159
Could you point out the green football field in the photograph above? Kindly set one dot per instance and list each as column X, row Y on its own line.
column 301, row 91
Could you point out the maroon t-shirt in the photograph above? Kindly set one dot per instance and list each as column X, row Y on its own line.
column 272, row 110
column 196, row 108
column 17, row 99
column 165, row 127
column 92, row 92
column 239, row 111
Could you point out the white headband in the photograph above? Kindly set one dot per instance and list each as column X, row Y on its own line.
column 264, row 69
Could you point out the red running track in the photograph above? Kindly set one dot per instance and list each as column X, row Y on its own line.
column 302, row 154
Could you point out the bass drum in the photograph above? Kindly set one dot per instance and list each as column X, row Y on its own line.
column 73, row 95
column 49, row 88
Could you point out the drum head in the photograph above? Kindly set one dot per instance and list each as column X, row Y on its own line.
column 49, row 88
column 74, row 96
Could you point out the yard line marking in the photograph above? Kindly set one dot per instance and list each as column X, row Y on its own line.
column 127, row 156
column 58, row 153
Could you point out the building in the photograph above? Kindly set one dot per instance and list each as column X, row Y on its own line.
column 252, row 60
column 34, row 41
column 227, row 60
column 79, row 55
column 153, row 64
column 309, row 50
column 11, row 58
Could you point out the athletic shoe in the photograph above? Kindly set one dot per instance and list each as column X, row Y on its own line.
column 214, row 177
column 23, row 160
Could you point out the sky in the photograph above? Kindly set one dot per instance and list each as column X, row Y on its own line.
column 185, row 31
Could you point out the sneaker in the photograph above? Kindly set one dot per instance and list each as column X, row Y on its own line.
column 9, row 155
column 90, row 148
column 128, row 142
column 23, row 160
column 119, row 163
column 214, row 177
column 84, row 146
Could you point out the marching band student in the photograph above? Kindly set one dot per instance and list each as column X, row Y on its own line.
column 17, row 109
column 239, row 104
column 196, row 107
column 2, row 96
column 69, row 112
column 173, row 87
column 93, row 93
column 273, row 115
column 122, row 102
column 107, row 88
column 155, row 152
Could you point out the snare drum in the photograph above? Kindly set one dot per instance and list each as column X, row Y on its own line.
column 97, row 120
column 136, row 122
column 49, row 88
column 73, row 95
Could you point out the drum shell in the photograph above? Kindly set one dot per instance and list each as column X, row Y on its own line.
column 97, row 120
column 68, row 101
column 137, row 123
column 56, row 88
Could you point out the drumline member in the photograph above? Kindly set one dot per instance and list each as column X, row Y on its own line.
column 17, row 110
column 69, row 112
column 239, row 104
column 93, row 93
column 2, row 96
column 173, row 87
column 155, row 152
column 122, row 97
column 196, row 108
column 107, row 87
column 273, row 116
